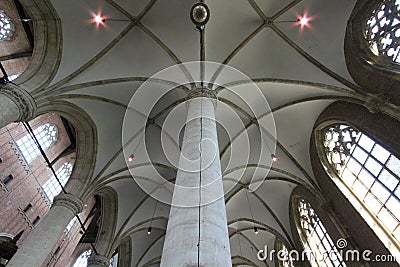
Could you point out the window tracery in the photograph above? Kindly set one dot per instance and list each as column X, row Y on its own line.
column 382, row 30
column 6, row 27
column 82, row 259
column 286, row 260
column 318, row 245
column 52, row 188
column 46, row 135
column 368, row 170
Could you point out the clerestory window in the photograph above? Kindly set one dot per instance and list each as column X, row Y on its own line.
column 368, row 175
column 52, row 188
column 382, row 30
column 318, row 245
column 45, row 134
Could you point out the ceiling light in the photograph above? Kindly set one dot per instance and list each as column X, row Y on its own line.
column 131, row 157
column 274, row 158
column 149, row 230
column 255, row 230
column 200, row 14
column 303, row 21
column 98, row 19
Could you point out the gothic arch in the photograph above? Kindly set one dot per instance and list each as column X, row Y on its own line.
column 86, row 144
column 373, row 73
column 326, row 214
column 109, row 212
column 380, row 128
column 47, row 45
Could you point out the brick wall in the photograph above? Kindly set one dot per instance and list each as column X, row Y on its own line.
column 17, row 44
column 22, row 192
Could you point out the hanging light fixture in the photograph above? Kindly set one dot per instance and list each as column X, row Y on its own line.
column 274, row 158
column 131, row 158
column 149, row 230
column 255, row 230
column 200, row 14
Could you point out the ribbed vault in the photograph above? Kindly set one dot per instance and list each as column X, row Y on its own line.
column 299, row 70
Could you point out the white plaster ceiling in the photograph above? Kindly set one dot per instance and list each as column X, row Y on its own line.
column 299, row 70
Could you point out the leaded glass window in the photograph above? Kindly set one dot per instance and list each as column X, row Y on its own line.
column 6, row 27
column 382, row 30
column 369, row 171
column 319, row 247
column 45, row 134
column 52, row 188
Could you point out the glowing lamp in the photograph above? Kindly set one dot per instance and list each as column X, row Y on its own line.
column 98, row 19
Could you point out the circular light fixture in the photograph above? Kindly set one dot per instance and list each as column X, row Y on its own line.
column 200, row 14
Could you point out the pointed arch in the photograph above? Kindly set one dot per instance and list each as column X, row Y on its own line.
column 381, row 132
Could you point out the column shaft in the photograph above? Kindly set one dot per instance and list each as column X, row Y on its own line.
column 16, row 104
column 9, row 111
column 188, row 243
column 38, row 245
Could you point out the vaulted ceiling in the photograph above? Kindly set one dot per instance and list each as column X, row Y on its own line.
column 300, row 70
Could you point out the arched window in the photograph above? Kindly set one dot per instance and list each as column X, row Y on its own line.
column 46, row 135
column 318, row 245
column 6, row 27
column 82, row 259
column 52, row 188
column 284, row 257
column 368, row 175
column 382, row 30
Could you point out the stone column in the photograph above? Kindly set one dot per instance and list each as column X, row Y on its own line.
column 98, row 261
column 188, row 242
column 15, row 104
column 38, row 245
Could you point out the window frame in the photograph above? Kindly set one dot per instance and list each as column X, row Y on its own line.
column 358, row 42
column 27, row 145
column 303, row 238
column 372, row 8
column 51, row 186
column 368, row 216
column 283, row 245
